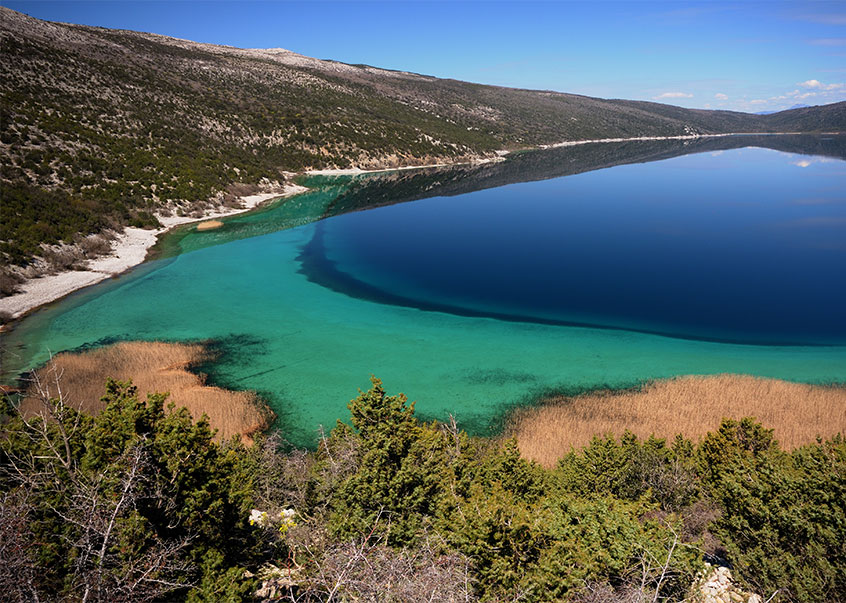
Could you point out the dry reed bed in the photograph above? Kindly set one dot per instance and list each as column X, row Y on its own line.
column 692, row 406
column 152, row 367
column 209, row 225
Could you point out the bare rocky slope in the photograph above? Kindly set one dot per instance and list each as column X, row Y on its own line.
column 103, row 128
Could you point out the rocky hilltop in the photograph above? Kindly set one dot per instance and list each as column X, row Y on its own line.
column 104, row 128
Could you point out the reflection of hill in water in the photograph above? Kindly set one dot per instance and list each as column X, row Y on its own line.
column 529, row 166
column 332, row 196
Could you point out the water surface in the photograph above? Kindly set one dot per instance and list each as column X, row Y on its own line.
column 475, row 290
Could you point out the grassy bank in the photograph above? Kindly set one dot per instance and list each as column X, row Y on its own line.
column 692, row 406
column 152, row 367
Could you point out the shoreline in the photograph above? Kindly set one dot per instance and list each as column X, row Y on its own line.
column 131, row 246
column 128, row 250
column 573, row 143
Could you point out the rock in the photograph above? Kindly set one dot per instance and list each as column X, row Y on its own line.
column 717, row 586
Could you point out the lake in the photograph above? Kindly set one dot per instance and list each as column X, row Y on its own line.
column 474, row 290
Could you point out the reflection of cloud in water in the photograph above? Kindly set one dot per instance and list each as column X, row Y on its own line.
column 804, row 161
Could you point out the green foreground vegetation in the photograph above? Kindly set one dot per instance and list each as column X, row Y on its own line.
column 140, row 503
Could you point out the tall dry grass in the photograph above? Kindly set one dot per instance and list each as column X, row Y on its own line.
column 692, row 406
column 152, row 367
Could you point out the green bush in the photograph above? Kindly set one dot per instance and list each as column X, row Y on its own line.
column 144, row 496
column 783, row 514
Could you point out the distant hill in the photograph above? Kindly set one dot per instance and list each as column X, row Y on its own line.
column 797, row 106
column 103, row 128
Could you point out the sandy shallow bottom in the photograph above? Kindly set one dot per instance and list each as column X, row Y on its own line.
column 128, row 250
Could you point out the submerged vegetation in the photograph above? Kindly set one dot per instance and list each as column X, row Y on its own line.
column 138, row 503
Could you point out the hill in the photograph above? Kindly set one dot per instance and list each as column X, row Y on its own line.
column 104, row 128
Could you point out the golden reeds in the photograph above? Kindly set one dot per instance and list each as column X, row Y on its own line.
column 152, row 367
column 692, row 406
column 209, row 225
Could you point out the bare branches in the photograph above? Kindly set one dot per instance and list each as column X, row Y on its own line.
column 17, row 569
column 53, row 411
column 370, row 571
column 90, row 515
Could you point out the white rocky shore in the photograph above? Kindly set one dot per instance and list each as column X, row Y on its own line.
column 131, row 246
column 128, row 250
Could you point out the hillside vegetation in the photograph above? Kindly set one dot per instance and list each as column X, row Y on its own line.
column 141, row 504
column 103, row 128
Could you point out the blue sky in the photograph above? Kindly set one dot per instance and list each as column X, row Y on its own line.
column 746, row 56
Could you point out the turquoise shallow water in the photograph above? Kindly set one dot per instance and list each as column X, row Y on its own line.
column 307, row 347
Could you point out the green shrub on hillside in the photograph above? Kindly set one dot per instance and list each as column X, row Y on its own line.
column 129, row 505
column 140, row 503
column 783, row 517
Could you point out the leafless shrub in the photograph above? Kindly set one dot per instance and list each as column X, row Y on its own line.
column 232, row 194
column 283, row 479
column 340, row 460
column 38, row 267
column 231, row 201
column 695, row 522
column 102, row 573
column 242, row 189
column 17, row 545
column 95, row 245
column 672, row 484
column 365, row 570
column 66, row 257
column 603, row 592
column 10, row 281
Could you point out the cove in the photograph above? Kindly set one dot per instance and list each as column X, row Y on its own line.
column 474, row 290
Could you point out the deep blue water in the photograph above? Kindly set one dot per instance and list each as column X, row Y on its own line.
column 744, row 246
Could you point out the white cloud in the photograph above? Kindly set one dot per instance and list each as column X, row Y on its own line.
column 673, row 95
column 758, row 101
column 721, row 96
column 803, row 163
column 818, row 85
